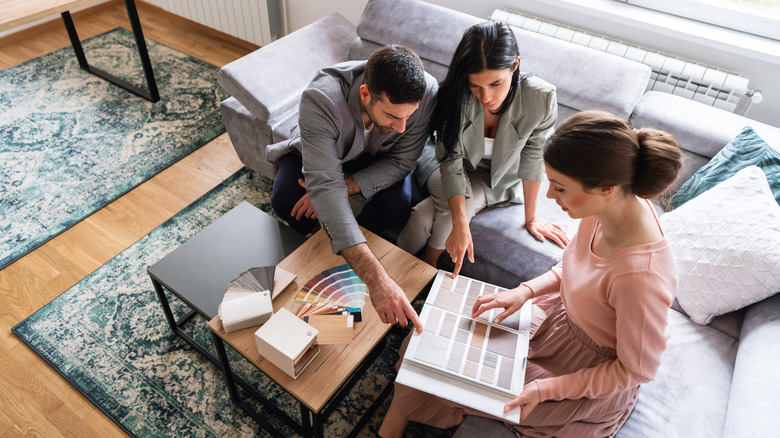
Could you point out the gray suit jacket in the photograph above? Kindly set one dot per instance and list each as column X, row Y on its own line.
column 330, row 133
column 517, row 151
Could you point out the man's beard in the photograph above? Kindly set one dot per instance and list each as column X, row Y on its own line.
column 382, row 129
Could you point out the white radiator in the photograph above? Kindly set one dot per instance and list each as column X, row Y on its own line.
column 256, row 21
column 682, row 77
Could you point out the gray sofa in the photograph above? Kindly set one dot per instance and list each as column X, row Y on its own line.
column 719, row 379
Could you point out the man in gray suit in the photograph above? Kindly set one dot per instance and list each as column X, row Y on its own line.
column 361, row 128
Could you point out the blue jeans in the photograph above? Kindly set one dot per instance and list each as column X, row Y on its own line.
column 384, row 210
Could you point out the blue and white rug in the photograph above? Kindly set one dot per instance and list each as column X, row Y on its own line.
column 107, row 335
column 71, row 142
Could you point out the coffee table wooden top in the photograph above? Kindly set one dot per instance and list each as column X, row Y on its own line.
column 19, row 12
column 334, row 364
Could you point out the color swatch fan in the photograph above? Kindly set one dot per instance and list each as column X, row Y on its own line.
column 334, row 290
column 254, row 280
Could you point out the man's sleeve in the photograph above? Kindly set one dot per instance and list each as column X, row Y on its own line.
column 395, row 164
column 320, row 128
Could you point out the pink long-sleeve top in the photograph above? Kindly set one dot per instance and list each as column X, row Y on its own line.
column 620, row 302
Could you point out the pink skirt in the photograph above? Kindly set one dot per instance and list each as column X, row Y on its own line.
column 557, row 347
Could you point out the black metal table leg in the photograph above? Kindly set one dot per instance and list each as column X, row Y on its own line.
column 152, row 93
column 176, row 327
column 233, row 391
column 222, row 353
column 312, row 423
column 158, row 288
column 143, row 52
column 306, row 420
column 318, row 425
column 370, row 411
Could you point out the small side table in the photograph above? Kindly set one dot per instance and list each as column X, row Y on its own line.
column 332, row 374
column 199, row 271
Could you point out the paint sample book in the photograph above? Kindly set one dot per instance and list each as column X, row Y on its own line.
column 471, row 361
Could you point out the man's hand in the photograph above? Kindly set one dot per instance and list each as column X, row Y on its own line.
column 352, row 186
column 388, row 298
column 391, row 304
column 303, row 206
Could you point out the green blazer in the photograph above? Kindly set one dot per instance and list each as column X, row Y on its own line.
column 517, row 150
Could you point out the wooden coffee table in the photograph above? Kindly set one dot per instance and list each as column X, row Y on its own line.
column 324, row 383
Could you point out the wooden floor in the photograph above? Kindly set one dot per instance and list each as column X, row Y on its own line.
column 34, row 399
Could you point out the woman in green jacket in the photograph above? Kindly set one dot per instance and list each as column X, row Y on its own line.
column 490, row 126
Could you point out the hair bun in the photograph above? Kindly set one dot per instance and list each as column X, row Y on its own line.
column 658, row 162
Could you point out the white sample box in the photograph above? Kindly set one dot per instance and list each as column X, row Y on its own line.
column 288, row 342
column 250, row 309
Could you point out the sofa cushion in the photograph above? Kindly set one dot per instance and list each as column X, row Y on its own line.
column 745, row 150
column 475, row 426
column 726, row 244
column 755, row 388
column 267, row 91
column 486, row 271
column 699, row 128
column 728, row 323
column 692, row 162
column 689, row 396
column 500, row 237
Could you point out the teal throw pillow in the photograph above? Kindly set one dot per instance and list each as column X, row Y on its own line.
column 746, row 149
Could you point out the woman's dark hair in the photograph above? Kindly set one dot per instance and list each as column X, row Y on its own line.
column 490, row 45
column 599, row 149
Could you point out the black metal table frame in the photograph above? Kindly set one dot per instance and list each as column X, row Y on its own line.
column 151, row 94
column 312, row 423
column 176, row 327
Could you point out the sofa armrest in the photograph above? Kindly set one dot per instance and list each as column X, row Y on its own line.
column 755, row 388
column 269, row 80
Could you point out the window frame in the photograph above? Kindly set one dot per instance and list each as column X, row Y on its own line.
column 719, row 15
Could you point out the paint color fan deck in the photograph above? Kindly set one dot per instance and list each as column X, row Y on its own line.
column 334, row 290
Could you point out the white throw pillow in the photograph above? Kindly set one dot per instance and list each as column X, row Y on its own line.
column 727, row 245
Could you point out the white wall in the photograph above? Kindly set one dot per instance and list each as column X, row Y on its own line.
column 683, row 40
column 302, row 12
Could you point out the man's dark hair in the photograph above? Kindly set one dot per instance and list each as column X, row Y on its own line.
column 396, row 72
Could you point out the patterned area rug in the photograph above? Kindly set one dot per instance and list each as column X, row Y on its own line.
column 71, row 142
column 108, row 336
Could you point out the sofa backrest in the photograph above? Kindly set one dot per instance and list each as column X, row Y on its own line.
column 432, row 31
column 701, row 130
column 585, row 78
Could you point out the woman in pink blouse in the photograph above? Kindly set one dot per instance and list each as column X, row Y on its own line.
column 599, row 319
